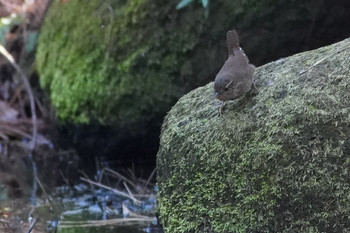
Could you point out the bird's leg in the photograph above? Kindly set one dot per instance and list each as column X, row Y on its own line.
column 221, row 108
column 254, row 90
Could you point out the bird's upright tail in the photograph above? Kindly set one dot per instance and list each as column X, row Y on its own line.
column 232, row 41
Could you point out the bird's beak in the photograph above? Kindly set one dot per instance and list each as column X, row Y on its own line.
column 216, row 94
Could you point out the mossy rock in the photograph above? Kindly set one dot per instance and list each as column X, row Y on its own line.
column 116, row 62
column 275, row 162
column 127, row 62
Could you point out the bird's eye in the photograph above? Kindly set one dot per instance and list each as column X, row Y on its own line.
column 226, row 88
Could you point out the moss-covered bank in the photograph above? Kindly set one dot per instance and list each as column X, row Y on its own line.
column 118, row 62
column 127, row 61
column 277, row 162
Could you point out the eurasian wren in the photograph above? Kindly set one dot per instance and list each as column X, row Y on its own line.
column 235, row 78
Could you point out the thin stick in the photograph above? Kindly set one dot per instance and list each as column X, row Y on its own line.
column 149, row 178
column 113, row 190
column 87, row 178
column 13, row 130
column 32, row 145
column 64, row 178
column 120, row 176
column 45, row 193
column 32, row 225
column 91, row 223
column 9, row 57
column 127, row 188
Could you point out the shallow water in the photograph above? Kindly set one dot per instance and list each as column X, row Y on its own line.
column 103, row 211
column 106, row 229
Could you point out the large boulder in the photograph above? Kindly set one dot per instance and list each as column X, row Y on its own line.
column 275, row 162
column 126, row 62
column 121, row 62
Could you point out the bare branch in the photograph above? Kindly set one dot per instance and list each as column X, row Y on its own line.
column 9, row 57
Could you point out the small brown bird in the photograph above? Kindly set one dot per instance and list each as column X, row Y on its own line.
column 235, row 78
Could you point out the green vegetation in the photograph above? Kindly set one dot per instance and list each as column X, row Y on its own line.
column 126, row 62
column 115, row 62
column 277, row 162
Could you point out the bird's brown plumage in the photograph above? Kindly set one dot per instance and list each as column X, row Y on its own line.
column 235, row 78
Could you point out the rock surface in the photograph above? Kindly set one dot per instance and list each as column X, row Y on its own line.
column 275, row 162
column 127, row 62
column 121, row 63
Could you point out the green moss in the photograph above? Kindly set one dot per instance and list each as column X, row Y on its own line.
column 127, row 61
column 113, row 61
column 276, row 162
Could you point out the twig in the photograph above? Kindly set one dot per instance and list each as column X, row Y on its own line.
column 64, row 178
column 90, row 223
column 16, row 94
column 13, row 130
column 118, row 175
column 4, row 221
column 45, row 193
column 10, row 5
column 9, row 57
column 149, row 179
column 3, row 136
column 127, row 189
column 32, row 225
column 87, row 178
column 131, row 172
column 117, row 192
